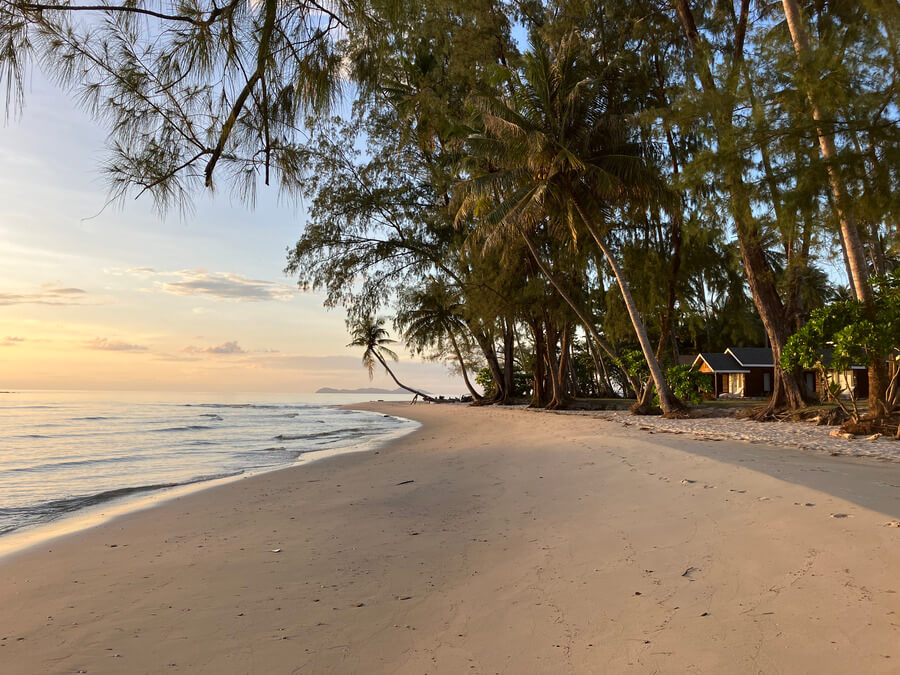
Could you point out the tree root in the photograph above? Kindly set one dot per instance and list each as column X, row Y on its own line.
column 642, row 408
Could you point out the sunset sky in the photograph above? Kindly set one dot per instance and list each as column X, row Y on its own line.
column 127, row 300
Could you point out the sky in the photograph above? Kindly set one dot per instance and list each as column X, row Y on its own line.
column 128, row 300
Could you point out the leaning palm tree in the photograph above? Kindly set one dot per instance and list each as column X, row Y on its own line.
column 429, row 318
column 552, row 152
column 370, row 333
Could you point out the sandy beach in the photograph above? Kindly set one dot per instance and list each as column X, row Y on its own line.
column 487, row 541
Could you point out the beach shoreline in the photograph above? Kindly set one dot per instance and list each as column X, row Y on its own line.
column 137, row 499
column 486, row 540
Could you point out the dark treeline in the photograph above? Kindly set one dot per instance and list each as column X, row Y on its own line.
column 560, row 198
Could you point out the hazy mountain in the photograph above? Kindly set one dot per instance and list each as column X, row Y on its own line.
column 364, row 390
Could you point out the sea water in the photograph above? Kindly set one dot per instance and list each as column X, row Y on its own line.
column 62, row 452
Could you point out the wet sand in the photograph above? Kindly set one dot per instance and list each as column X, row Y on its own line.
column 487, row 541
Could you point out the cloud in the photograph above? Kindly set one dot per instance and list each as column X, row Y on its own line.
column 227, row 285
column 11, row 341
column 131, row 271
column 49, row 294
column 104, row 344
column 230, row 347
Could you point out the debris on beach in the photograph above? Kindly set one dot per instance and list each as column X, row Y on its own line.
column 787, row 432
column 276, row 550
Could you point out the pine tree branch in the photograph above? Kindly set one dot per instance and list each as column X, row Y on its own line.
column 261, row 58
column 40, row 7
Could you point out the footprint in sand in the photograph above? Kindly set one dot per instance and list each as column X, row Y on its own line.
column 841, row 515
column 685, row 481
column 738, row 491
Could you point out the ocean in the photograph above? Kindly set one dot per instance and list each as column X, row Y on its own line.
column 62, row 452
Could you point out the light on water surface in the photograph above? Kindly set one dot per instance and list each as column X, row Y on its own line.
column 64, row 451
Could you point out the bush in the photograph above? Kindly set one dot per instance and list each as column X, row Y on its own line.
column 687, row 383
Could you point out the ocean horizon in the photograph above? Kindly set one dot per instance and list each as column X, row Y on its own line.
column 64, row 452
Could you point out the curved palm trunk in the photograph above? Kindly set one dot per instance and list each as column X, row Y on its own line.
column 390, row 372
column 487, row 348
column 588, row 325
column 462, row 366
column 667, row 400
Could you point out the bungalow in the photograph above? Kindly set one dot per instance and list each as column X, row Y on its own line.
column 749, row 372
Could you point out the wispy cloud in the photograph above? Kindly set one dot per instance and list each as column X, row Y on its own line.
column 131, row 271
column 230, row 347
column 11, row 341
column 105, row 344
column 48, row 294
column 227, row 285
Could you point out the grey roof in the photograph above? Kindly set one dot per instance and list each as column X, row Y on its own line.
column 721, row 363
column 752, row 356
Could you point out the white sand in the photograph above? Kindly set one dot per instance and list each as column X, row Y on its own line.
column 524, row 544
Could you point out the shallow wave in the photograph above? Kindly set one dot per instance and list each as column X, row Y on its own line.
column 49, row 510
column 52, row 466
column 91, row 419
column 253, row 406
column 320, row 434
column 189, row 427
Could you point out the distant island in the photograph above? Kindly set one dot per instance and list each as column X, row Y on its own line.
column 364, row 390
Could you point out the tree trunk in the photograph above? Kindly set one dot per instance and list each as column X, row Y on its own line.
column 856, row 256
column 537, row 389
column 786, row 388
column 462, row 367
column 667, row 400
column 552, row 367
column 665, row 324
column 490, row 355
column 566, row 392
column 855, row 253
column 390, row 372
column 604, row 385
column 509, row 345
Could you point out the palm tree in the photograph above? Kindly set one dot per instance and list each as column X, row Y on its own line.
column 430, row 316
column 552, row 152
column 370, row 333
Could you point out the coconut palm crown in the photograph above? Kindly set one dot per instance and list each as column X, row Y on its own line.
column 370, row 333
column 559, row 152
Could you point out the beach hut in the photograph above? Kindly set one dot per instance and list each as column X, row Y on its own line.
column 728, row 376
